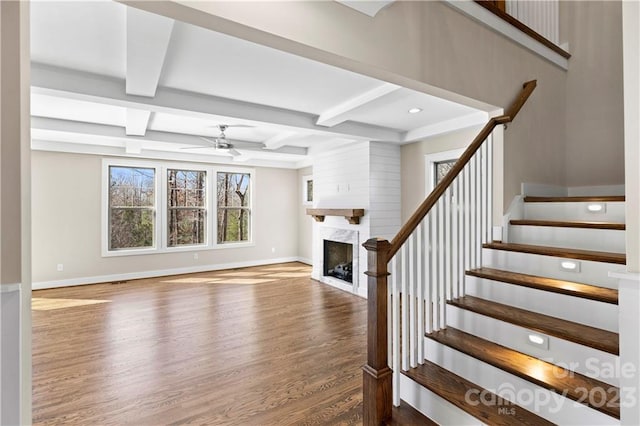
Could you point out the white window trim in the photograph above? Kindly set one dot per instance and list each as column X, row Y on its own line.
column 305, row 179
column 160, row 199
column 430, row 165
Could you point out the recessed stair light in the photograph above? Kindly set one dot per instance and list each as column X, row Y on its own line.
column 538, row 340
column 569, row 265
column 414, row 110
column 596, row 207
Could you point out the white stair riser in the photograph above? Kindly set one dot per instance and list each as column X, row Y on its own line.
column 578, row 238
column 544, row 403
column 614, row 212
column 433, row 406
column 570, row 308
column 595, row 273
column 582, row 359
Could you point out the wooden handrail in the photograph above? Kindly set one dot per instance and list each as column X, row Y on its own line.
column 437, row 192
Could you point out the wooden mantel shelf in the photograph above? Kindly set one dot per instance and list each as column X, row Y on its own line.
column 352, row 215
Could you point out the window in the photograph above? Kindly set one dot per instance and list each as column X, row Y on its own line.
column 131, row 207
column 186, row 207
column 201, row 207
column 307, row 190
column 234, row 209
column 441, row 168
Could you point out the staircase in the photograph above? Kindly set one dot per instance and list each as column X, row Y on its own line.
column 463, row 329
column 522, row 290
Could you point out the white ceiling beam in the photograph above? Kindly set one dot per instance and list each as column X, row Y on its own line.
column 137, row 122
column 148, row 37
column 477, row 118
column 279, row 140
column 368, row 7
column 340, row 113
column 53, row 129
column 65, row 83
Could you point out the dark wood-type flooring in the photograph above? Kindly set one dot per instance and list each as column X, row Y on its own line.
column 257, row 346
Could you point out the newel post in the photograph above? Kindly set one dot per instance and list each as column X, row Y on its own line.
column 377, row 397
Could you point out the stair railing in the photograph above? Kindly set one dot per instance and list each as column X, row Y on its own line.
column 427, row 258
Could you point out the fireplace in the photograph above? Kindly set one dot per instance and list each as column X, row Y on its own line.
column 337, row 257
column 338, row 260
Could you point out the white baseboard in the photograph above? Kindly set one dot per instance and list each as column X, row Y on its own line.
column 305, row 261
column 157, row 273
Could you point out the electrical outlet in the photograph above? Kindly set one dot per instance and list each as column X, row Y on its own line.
column 273, row 249
column 60, row 267
column 195, row 256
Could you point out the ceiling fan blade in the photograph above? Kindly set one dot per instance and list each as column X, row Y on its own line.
column 234, row 152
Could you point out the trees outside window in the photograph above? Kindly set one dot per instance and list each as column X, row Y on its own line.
column 186, row 207
column 131, row 207
column 234, row 209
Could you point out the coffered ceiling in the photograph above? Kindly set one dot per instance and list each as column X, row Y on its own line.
column 113, row 80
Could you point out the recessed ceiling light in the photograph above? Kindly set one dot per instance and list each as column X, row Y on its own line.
column 415, row 110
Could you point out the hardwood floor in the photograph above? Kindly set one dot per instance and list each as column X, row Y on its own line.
column 256, row 346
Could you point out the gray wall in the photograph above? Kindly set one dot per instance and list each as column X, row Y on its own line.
column 67, row 214
column 594, row 93
column 305, row 222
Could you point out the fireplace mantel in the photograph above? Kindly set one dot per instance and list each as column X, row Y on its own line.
column 352, row 215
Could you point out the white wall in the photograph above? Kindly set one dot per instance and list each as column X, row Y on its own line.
column 384, row 190
column 66, row 225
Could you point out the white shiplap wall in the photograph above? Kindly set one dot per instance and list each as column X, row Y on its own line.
column 363, row 175
column 384, row 190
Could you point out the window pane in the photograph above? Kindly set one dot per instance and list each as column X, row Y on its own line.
column 443, row 168
column 186, row 188
column 131, row 228
column 131, row 207
column 234, row 189
column 234, row 210
column 185, row 207
column 131, row 187
column 233, row 225
column 186, row 227
column 310, row 190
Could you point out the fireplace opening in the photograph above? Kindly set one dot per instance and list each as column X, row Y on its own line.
column 338, row 260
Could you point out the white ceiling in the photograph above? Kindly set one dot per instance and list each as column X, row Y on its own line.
column 92, row 61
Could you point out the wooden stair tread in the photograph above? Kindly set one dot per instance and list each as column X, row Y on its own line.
column 603, row 340
column 595, row 199
column 569, row 224
column 585, row 291
column 596, row 256
column 549, row 376
column 407, row 415
column 453, row 388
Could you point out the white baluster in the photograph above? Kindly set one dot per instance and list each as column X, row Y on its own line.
column 413, row 329
column 441, row 265
column 404, row 308
column 428, row 271
column 395, row 330
column 467, row 224
column 433, row 217
column 421, row 284
column 490, row 189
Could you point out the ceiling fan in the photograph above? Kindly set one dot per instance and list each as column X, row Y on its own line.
column 220, row 143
